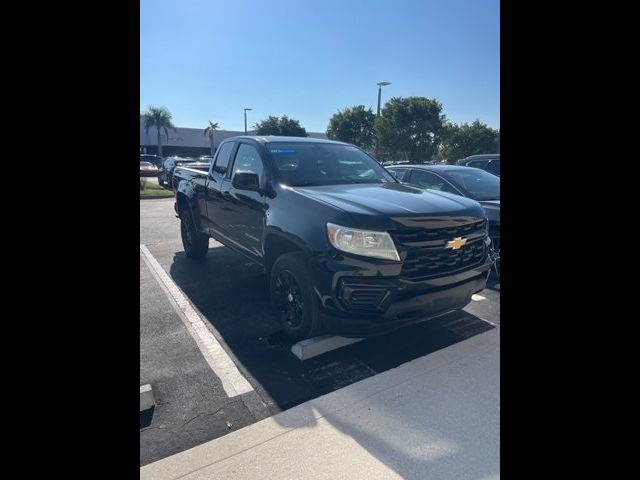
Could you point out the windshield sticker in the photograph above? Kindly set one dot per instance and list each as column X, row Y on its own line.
column 282, row 151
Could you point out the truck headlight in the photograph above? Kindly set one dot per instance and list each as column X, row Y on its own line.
column 362, row 242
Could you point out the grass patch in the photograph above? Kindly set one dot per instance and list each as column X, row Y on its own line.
column 151, row 189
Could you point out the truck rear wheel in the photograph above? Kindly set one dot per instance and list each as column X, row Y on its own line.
column 196, row 244
column 293, row 298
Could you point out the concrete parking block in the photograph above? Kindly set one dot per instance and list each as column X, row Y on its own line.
column 312, row 347
column 146, row 398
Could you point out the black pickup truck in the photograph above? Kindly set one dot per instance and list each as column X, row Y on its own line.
column 347, row 248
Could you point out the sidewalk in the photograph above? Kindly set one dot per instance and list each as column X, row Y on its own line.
column 437, row 417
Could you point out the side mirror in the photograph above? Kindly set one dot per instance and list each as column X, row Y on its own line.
column 246, row 181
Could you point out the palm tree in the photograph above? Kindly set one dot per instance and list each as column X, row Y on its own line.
column 160, row 118
column 210, row 131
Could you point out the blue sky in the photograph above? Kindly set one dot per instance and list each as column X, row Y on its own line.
column 208, row 59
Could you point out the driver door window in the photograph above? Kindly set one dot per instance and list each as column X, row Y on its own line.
column 222, row 159
column 247, row 160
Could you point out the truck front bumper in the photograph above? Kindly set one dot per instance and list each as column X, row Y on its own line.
column 365, row 304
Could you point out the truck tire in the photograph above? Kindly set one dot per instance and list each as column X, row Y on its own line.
column 292, row 297
column 196, row 244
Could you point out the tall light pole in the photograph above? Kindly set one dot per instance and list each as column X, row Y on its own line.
column 245, row 119
column 380, row 85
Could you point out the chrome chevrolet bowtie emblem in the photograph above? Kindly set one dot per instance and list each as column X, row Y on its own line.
column 456, row 243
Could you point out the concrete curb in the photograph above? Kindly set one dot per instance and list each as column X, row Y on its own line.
column 154, row 197
column 146, row 398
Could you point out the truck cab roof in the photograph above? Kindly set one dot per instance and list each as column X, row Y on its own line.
column 264, row 139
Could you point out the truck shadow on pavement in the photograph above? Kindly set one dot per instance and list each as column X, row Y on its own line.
column 493, row 282
column 145, row 417
column 232, row 294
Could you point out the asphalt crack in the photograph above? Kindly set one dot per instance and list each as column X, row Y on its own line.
column 201, row 415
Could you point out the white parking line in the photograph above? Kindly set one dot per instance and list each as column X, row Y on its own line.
column 233, row 382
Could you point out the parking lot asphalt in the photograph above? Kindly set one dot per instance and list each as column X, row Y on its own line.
column 192, row 406
column 231, row 296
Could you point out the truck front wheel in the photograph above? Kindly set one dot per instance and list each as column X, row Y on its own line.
column 292, row 297
column 195, row 244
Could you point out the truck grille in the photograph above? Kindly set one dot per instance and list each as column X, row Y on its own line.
column 412, row 237
column 427, row 256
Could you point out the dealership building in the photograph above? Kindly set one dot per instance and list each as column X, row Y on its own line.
column 188, row 142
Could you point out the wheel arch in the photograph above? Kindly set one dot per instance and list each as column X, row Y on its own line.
column 277, row 244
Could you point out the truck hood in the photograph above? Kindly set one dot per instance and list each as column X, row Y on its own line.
column 401, row 204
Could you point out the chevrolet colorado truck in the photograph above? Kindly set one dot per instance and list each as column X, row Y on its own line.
column 347, row 249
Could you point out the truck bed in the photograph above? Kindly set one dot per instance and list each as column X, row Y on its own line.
column 186, row 173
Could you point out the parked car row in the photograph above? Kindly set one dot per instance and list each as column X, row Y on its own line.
column 148, row 169
column 163, row 168
column 153, row 159
column 165, row 173
column 469, row 182
column 490, row 163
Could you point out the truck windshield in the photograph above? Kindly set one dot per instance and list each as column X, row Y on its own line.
column 309, row 164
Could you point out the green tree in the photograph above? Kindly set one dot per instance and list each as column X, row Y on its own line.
column 158, row 118
column 463, row 140
column 410, row 128
column 283, row 126
column 210, row 132
column 353, row 125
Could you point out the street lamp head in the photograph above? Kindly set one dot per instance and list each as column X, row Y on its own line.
column 247, row 109
column 383, row 84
